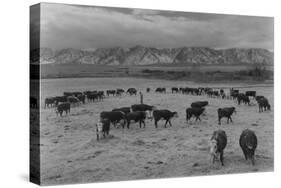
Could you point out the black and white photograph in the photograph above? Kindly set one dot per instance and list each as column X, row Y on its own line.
column 130, row 94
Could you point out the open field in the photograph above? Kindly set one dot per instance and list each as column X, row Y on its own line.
column 163, row 71
column 71, row 154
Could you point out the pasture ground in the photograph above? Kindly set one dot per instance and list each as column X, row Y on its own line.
column 70, row 152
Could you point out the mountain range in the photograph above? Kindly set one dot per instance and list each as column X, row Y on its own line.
column 140, row 55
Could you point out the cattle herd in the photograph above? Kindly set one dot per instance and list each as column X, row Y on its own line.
column 138, row 113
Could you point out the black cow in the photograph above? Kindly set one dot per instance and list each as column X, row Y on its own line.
column 63, row 107
column 259, row 97
column 114, row 117
column 218, row 144
column 225, row 112
column 144, row 108
column 175, row 89
column 147, row 90
column 102, row 127
column 194, row 112
column 49, row 101
column 251, row 93
column 248, row 142
column 138, row 116
column 132, row 91
column 160, row 90
column 73, row 100
column 110, row 92
column 60, row 99
column 243, row 98
column 263, row 104
column 199, row 104
column 125, row 110
column 165, row 115
column 33, row 102
column 234, row 93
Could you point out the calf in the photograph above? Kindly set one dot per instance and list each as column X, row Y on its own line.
column 248, row 142
column 163, row 114
column 102, row 127
column 217, row 145
column 263, row 104
column 194, row 112
column 199, row 104
column 114, row 117
column 225, row 112
column 138, row 116
column 63, row 107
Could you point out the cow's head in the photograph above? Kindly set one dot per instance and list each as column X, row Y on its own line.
column 175, row 115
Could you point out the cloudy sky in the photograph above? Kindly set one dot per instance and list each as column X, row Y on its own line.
column 88, row 27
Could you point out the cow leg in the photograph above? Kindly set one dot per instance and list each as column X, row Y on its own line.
column 143, row 124
column 227, row 120
column 219, row 120
column 221, row 158
column 140, row 123
column 128, row 124
column 170, row 123
column 166, row 123
column 230, row 119
column 155, row 123
column 245, row 154
column 98, row 136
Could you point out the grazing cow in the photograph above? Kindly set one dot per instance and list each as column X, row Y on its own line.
column 217, row 145
column 102, row 127
column 65, row 106
column 175, row 89
column 147, row 90
column 114, row 117
column 132, row 91
column 225, row 112
column 194, row 112
column 119, row 92
column 251, row 93
column 49, row 101
column 248, row 142
column 160, row 90
column 125, row 110
column 263, row 104
column 73, row 100
column 199, row 104
column 243, row 98
column 33, row 102
column 163, row 114
column 137, row 116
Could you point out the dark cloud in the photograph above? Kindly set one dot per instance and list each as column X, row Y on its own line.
column 64, row 26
